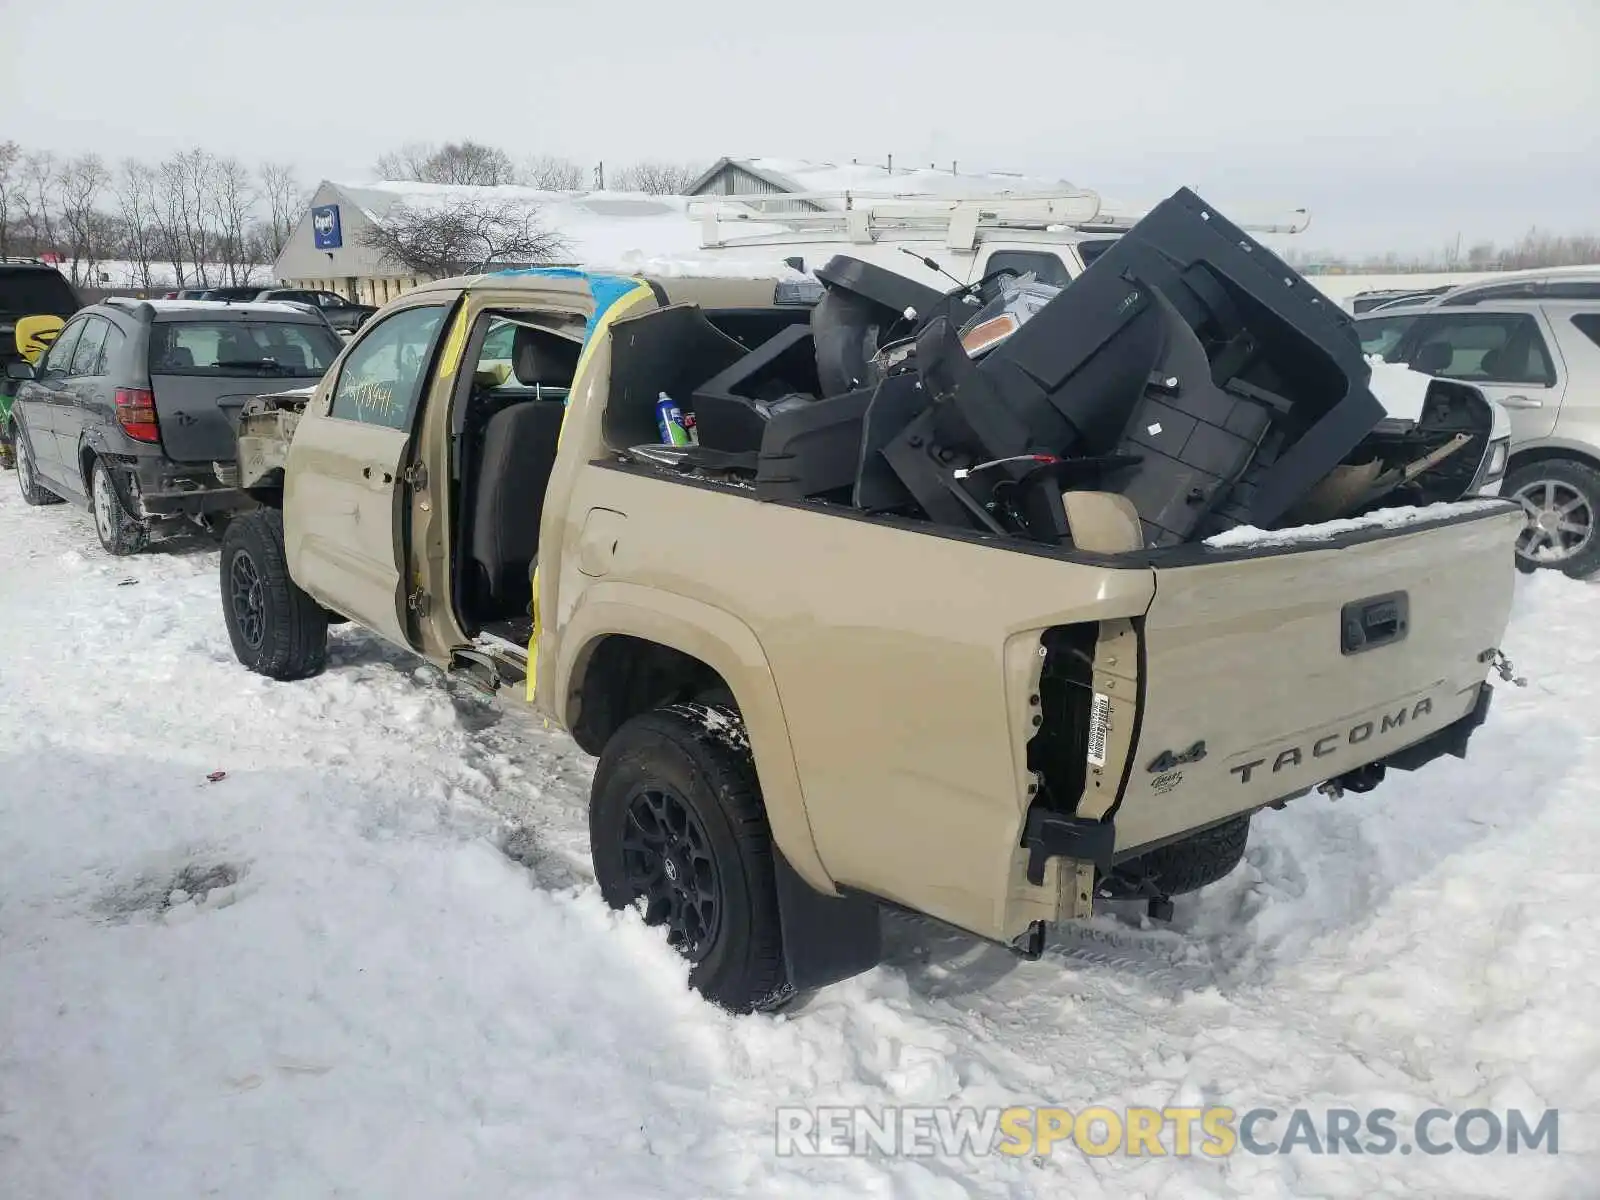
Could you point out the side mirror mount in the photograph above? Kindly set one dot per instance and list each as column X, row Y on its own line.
column 34, row 335
column 18, row 369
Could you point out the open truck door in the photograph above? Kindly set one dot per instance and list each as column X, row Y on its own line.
column 346, row 498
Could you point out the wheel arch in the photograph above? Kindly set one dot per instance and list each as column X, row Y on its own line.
column 622, row 631
column 86, row 456
column 1523, row 456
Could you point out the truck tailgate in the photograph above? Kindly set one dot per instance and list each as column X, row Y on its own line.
column 1295, row 663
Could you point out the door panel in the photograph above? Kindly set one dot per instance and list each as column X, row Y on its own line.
column 341, row 507
column 1507, row 356
column 79, row 395
column 345, row 501
column 38, row 401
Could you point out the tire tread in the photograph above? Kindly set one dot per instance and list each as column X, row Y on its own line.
column 295, row 645
column 755, row 978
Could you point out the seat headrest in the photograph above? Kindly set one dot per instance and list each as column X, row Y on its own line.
column 233, row 347
column 542, row 358
column 1433, row 358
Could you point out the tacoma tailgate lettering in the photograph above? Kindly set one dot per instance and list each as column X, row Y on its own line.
column 1295, row 755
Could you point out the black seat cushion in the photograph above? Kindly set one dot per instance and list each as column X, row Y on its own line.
column 517, row 454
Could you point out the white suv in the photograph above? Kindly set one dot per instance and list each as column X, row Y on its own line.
column 1540, row 359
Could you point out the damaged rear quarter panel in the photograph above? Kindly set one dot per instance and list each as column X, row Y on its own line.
column 907, row 715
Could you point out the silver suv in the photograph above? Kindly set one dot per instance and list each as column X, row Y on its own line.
column 1540, row 358
column 1540, row 283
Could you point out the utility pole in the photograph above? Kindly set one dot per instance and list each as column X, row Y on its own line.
column 600, row 177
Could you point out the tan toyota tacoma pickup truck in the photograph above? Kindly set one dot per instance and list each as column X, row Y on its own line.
column 862, row 596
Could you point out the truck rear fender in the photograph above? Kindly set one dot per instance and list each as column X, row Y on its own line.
column 726, row 645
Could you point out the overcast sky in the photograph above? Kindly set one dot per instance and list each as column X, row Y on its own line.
column 1400, row 123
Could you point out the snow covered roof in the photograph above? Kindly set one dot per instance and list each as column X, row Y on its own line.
column 247, row 307
column 601, row 228
column 802, row 175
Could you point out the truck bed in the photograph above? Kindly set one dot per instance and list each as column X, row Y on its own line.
column 912, row 664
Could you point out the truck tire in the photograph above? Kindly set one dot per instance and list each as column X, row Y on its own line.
column 27, row 481
column 676, row 820
column 276, row 629
column 1562, row 499
column 121, row 533
column 1183, row 866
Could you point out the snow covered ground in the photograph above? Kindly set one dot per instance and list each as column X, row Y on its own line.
column 401, row 982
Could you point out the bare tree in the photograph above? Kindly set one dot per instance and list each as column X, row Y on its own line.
column 454, row 162
column 187, row 183
column 436, row 242
column 36, row 194
column 1535, row 249
column 258, row 249
column 232, row 199
column 408, row 162
column 170, row 216
column 550, row 174
column 1538, row 249
column 104, row 236
column 657, row 178
column 10, row 159
column 80, row 185
column 136, row 205
column 285, row 199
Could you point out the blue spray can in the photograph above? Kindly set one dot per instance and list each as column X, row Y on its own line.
column 669, row 420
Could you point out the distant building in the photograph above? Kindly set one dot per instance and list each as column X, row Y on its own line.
column 602, row 229
column 756, row 177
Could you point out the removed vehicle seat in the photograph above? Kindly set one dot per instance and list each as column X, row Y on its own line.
column 1188, row 367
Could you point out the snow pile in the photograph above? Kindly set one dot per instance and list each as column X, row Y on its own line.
column 369, row 961
column 1384, row 518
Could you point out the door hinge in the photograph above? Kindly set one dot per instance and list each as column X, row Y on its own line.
column 416, row 477
column 417, row 602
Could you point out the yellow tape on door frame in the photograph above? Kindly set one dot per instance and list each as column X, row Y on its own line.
column 602, row 328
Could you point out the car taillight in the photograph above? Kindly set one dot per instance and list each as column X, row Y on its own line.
column 136, row 413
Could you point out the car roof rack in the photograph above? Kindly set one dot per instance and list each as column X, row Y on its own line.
column 24, row 260
column 863, row 217
column 1580, row 282
column 132, row 304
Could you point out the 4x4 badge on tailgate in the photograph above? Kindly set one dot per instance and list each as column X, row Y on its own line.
column 1168, row 761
